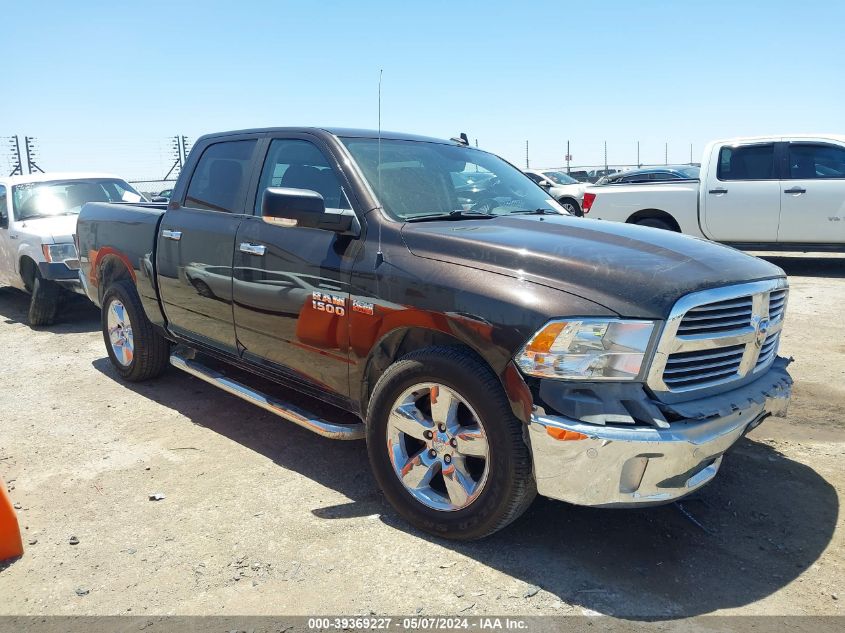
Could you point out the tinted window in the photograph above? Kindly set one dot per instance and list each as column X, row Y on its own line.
column 414, row 179
column 535, row 177
column 808, row 160
column 747, row 162
column 220, row 177
column 297, row 164
column 4, row 208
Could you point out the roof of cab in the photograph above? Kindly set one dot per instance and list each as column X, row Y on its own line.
column 337, row 131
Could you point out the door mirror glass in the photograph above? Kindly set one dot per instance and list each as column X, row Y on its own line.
column 158, row 199
column 302, row 208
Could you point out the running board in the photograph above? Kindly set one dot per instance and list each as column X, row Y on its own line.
column 273, row 405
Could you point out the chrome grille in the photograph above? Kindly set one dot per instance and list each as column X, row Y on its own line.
column 718, row 336
column 777, row 304
column 768, row 350
column 721, row 316
column 688, row 369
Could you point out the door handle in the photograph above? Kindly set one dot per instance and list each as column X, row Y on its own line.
column 13, row 236
column 252, row 249
column 171, row 235
column 795, row 190
column 718, row 191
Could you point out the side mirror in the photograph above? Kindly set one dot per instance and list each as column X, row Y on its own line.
column 545, row 184
column 302, row 208
column 159, row 199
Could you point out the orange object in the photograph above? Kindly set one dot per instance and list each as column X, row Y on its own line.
column 11, row 545
column 563, row 434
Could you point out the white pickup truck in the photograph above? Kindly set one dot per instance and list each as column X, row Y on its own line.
column 762, row 193
column 38, row 215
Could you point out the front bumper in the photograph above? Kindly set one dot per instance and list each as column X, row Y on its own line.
column 591, row 465
column 61, row 274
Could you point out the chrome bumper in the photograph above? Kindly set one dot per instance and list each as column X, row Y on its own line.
column 629, row 466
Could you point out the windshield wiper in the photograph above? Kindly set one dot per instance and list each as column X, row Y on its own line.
column 536, row 212
column 452, row 215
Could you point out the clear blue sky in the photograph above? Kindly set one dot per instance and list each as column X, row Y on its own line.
column 102, row 84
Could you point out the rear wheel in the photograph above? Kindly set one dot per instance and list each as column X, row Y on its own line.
column 44, row 303
column 445, row 447
column 136, row 349
column 656, row 223
column 571, row 206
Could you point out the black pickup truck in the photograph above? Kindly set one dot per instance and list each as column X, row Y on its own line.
column 429, row 297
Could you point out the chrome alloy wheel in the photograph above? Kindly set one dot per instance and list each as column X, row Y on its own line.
column 120, row 333
column 438, row 447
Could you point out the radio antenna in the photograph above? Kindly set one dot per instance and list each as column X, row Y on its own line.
column 379, row 254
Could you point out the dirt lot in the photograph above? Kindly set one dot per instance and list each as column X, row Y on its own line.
column 262, row 517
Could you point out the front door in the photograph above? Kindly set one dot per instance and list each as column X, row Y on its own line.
column 740, row 200
column 291, row 296
column 196, row 244
column 813, row 190
column 7, row 259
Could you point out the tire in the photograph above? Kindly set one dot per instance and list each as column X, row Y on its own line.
column 572, row 206
column 656, row 223
column 44, row 304
column 136, row 349
column 503, row 488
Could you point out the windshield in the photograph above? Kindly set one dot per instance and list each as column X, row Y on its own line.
column 66, row 197
column 418, row 179
column 559, row 178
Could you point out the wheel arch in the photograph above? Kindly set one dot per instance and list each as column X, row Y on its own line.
column 403, row 340
column 111, row 268
column 657, row 214
column 27, row 267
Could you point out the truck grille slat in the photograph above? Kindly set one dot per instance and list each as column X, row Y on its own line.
column 691, row 357
column 702, row 377
column 717, row 326
column 722, row 315
column 722, row 305
column 695, row 350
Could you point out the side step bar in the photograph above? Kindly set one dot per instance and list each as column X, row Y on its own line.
column 273, row 405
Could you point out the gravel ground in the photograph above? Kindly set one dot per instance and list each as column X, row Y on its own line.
column 262, row 517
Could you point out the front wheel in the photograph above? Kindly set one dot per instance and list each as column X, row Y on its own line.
column 44, row 303
column 445, row 446
column 136, row 349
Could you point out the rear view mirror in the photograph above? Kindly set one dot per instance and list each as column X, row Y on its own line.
column 302, row 208
column 158, row 199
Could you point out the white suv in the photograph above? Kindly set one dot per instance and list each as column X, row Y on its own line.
column 562, row 187
column 37, row 222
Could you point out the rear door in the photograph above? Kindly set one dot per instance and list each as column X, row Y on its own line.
column 741, row 197
column 196, row 244
column 813, row 193
column 291, row 293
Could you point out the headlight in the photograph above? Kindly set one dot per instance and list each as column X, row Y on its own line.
column 61, row 254
column 594, row 349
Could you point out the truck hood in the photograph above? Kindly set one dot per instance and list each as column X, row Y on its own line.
column 57, row 229
column 632, row 270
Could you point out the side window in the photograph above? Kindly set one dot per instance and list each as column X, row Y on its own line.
column 297, row 164
column 747, row 162
column 812, row 160
column 536, row 178
column 4, row 208
column 221, row 176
